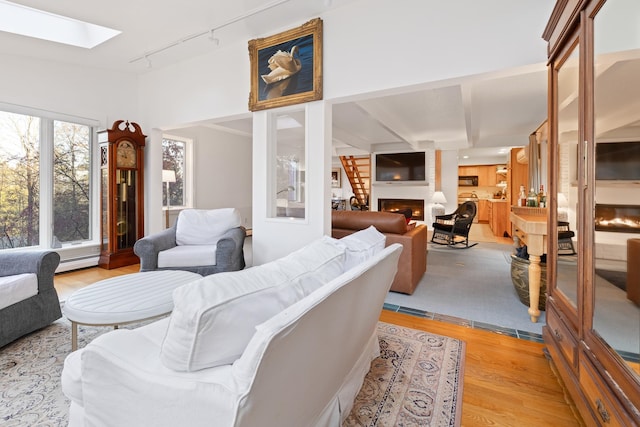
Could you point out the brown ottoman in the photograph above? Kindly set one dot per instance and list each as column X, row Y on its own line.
column 633, row 270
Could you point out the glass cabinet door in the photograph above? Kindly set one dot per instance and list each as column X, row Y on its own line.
column 615, row 212
column 566, row 162
column 126, row 204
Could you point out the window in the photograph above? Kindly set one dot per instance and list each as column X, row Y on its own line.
column 19, row 180
column 174, row 158
column 71, row 176
column 45, row 178
column 288, row 170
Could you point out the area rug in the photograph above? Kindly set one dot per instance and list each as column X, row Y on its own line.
column 416, row 381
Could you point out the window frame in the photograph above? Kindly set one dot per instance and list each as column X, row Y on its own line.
column 188, row 175
column 46, row 172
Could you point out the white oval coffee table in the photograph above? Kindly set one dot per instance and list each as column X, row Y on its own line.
column 124, row 299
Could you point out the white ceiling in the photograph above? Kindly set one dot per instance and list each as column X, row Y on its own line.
column 476, row 115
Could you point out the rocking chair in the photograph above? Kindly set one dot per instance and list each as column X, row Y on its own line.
column 453, row 229
column 565, row 239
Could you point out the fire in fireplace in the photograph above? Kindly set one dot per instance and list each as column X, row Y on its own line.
column 394, row 205
column 618, row 218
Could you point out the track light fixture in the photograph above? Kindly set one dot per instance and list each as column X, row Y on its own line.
column 213, row 38
column 245, row 15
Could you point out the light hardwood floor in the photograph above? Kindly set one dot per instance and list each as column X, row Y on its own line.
column 507, row 381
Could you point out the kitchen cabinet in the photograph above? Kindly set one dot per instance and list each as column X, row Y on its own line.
column 483, row 211
column 468, row 170
column 487, row 176
column 594, row 355
column 517, row 175
column 498, row 212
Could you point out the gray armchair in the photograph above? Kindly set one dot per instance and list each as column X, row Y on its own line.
column 37, row 311
column 185, row 246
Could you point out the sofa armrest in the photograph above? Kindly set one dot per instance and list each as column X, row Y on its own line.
column 413, row 259
column 42, row 263
column 230, row 250
column 148, row 247
column 121, row 369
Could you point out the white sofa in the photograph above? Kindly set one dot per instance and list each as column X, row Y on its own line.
column 287, row 343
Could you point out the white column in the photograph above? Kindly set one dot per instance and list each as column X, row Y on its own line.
column 153, row 215
column 276, row 237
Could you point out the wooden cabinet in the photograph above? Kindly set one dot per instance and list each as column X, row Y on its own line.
column 468, row 170
column 593, row 345
column 499, row 217
column 483, row 211
column 487, row 176
column 517, row 175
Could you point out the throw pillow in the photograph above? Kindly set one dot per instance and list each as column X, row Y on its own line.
column 205, row 226
column 215, row 317
column 362, row 245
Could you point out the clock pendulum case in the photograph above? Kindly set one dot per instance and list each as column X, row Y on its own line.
column 121, row 193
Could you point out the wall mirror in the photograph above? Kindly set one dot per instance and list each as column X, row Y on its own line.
column 616, row 317
column 288, row 165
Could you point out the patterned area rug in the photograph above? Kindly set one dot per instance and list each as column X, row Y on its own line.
column 416, row 381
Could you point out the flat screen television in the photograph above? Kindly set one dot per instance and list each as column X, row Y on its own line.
column 401, row 167
column 619, row 161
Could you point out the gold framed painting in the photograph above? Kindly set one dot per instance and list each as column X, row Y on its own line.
column 286, row 68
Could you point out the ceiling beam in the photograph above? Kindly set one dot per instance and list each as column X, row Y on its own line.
column 388, row 120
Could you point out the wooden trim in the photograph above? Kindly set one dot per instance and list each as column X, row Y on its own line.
column 438, row 170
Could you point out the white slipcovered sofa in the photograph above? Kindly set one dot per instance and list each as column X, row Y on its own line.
column 286, row 343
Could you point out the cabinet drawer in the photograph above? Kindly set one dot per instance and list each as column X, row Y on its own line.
column 562, row 336
column 598, row 396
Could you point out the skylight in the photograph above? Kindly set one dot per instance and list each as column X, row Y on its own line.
column 27, row 21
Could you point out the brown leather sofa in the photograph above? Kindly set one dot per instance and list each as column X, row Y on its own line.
column 413, row 260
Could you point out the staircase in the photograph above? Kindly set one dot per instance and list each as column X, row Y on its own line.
column 358, row 170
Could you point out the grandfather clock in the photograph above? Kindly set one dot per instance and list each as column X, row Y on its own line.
column 122, row 196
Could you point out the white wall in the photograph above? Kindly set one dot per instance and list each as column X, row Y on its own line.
column 84, row 92
column 276, row 237
column 369, row 46
column 373, row 45
column 222, row 166
column 449, row 179
column 98, row 96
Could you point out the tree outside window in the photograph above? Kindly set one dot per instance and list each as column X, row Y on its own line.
column 72, row 160
column 173, row 158
column 19, row 180
column 32, row 147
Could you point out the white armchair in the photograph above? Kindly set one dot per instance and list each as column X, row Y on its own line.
column 202, row 241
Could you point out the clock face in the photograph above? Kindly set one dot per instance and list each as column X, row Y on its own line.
column 126, row 155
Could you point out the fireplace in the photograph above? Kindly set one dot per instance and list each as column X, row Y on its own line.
column 618, row 218
column 394, row 205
